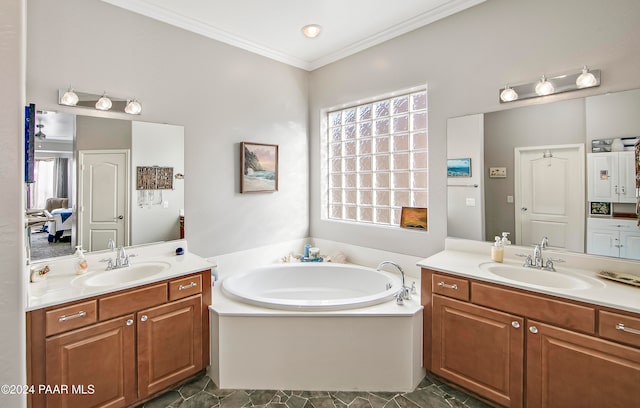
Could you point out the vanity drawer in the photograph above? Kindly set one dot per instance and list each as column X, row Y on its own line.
column 181, row 288
column 132, row 301
column 564, row 314
column 70, row 317
column 456, row 288
column 618, row 327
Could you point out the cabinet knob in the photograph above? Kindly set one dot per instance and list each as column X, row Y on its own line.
column 515, row 324
column 129, row 322
column 143, row 318
column 533, row 329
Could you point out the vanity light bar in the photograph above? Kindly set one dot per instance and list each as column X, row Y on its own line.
column 103, row 102
column 585, row 78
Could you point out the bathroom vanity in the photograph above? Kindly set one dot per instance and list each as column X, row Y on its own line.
column 521, row 341
column 116, row 344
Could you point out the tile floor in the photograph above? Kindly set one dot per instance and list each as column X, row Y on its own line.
column 201, row 392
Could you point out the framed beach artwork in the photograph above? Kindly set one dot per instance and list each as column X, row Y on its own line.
column 259, row 167
column 459, row 167
column 414, row 217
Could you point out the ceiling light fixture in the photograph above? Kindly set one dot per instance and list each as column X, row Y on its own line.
column 544, row 87
column 104, row 103
column 133, row 107
column 508, row 94
column 311, row 30
column 69, row 98
column 586, row 79
column 572, row 81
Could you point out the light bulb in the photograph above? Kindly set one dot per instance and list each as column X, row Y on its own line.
column 508, row 94
column 311, row 30
column 586, row 79
column 69, row 98
column 133, row 107
column 544, row 87
column 104, row 103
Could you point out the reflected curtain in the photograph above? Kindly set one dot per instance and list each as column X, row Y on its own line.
column 61, row 171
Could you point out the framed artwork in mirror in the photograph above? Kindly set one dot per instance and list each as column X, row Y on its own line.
column 259, row 168
column 459, row 167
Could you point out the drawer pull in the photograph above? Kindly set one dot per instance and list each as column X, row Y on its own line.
column 446, row 285
column 620, row 326
column 64, row 318
column 129, row 322
column 515, row 324
column 189, row 286
column 144, row 318
column 533, row 329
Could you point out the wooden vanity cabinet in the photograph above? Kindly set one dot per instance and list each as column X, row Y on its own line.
column 479, row 348
column 519, row 348
column 120, row 348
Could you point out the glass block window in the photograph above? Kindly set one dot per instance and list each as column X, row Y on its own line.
column 377, row 159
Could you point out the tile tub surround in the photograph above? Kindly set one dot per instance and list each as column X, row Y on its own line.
column 202, row 392
column 375, row 348
column 463, row 257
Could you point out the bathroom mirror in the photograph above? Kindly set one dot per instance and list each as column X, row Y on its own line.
column 96, row 181
column 561, row 123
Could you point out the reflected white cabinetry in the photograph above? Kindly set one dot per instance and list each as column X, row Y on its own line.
column 613, row 237
column 611, row 177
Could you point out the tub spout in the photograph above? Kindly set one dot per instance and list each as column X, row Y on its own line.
column 405, row 292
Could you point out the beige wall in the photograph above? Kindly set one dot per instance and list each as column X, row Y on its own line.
column 220, row 94
column 465, row 59
column 12, row 275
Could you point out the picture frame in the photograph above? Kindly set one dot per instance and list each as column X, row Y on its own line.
column 459, row 167
column 414, row 218
column 600, row 208
column 258, row 167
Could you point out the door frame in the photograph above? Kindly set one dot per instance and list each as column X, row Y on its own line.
column 518, row 185
column 80, row 191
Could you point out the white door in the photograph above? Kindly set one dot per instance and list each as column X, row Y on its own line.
column 630, row 245
column 602, row 177
column 549, row 190
column 627, row 177
column 103, row 207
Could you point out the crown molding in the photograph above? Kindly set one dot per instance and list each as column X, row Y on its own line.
column 190, row 24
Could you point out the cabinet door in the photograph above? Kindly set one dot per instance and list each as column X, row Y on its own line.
column 567, row 369
column 630, row 245
column 169, row 344
column 602, row 176
column 94, row 366
column 603, row 242
column 626, row 177
column 480, row 349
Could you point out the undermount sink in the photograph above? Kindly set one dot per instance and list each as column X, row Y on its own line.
column 128, row 274
column 540, row 277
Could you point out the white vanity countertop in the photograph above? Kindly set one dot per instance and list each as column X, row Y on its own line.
column 463, row 258
column 59, row 287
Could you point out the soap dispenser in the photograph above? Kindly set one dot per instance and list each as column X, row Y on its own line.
column 497, row 250
column 81, row 263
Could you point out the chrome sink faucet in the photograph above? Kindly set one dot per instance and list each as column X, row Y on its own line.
column 121, row 259
column 405, row 292
column 538, row 261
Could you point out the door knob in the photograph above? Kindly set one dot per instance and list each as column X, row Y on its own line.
column 129, row 322
column 533, row 329
column 515, row 324
column 524, row 209
column 143, row 318
column 120, row 217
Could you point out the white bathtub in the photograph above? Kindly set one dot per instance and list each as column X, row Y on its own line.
column 313, row 286
column 314, row 327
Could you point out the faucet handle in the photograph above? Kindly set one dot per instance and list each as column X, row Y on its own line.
column 111, row 244
column 414, row 290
